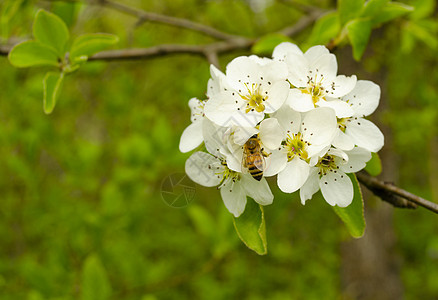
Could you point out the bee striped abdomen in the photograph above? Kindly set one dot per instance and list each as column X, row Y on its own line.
column 253, row 158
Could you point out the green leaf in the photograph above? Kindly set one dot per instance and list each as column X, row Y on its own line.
column 349, row 9
column 49, row 29
column 32, row 53
column 52, row 87
column 374, row 165
column 353, row 215
column 423, row 9
column 359, row 32
column 95, row 284
column 325, row 29
column 372, row 7
column 391, row 11
column 266, row 44
column 88, row 44
column 251, row 227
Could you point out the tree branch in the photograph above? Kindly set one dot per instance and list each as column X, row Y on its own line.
column 393, row 194
column 144, row 16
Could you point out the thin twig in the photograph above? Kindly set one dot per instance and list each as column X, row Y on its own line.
column 145, row 16
column 381, row 188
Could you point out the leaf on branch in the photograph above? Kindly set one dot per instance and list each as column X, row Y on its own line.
column 358, row 31
column 325, row 29
column 349, row 9
column 372, row 7
column 89, row 44
column 49, row 29
column 353, row 215
column 32, row 53
column 266, row 44
column 374, row 165
column 52, row 87
column 95, row 284
column 251, row 227
column 390, row 11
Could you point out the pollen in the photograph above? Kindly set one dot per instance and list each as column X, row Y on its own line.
column 254, row 98
column 296, row 146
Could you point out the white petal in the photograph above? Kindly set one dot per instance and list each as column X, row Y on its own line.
column 234, row 160
column 196, row 109
column 293, row 176
column 258, row 190
column 343, row 141
column 341, row 86
column 191, row 137
column 216, row 83
column 227, row 109
column 299, row 101
column 357, row 159
column 273, row 71
column 204, row 169
column 342, row 108
column 319, row 126
column 288, row 119
column 241, row 70
column 365, row 134
column 242, row 134
column 323, row 67
column 275, row 163
column 277, row 94
column 213, row 137
column 271, row 133
column 234, row 197
column 285, row 48
column 298, row 69
column 315, row 52
column 336, row 188
column 310, row 187
column 364, row 98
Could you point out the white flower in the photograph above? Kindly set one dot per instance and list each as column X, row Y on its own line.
column 304, row 138
column 192, row 135
column 208, row 170
column 314, row 80
column 252, row 89
column 329, row 175
column 356, row 130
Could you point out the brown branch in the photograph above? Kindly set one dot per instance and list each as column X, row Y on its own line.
column 393, row 194
column 144, row 16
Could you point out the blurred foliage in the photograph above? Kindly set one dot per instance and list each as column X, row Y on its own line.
column 81, row 209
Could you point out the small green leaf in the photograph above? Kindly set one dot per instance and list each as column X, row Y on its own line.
column 32, row 53
column 95, row 283
column 251, row 227
column 374, row 165
column 325, row 29
column 349, row 9
column 89, row 44
column 372, row 7
column 390, row 11
column 266, row 44
column 52, row 87
column 49, row 29
column 359, row 32
column 353, row 215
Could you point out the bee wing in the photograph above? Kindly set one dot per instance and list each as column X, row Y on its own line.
column 261, row 163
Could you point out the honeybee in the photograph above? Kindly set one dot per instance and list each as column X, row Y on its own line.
column 254, row 157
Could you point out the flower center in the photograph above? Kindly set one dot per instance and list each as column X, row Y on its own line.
column 314, row 88
column 342, row 123
column 227, row 175
column 296, row 146
column 326, row 163
column 254, row 98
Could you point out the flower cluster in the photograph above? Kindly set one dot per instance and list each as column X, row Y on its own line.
column 290, row 116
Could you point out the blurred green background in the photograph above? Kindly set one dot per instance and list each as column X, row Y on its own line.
column 81, row 212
